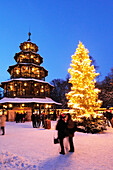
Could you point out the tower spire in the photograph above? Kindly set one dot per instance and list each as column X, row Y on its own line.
column 29, row 36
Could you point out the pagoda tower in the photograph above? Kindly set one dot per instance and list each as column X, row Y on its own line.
column 26, row 91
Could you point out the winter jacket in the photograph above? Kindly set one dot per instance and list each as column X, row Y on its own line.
column 70, row 127
column 2, row 120
column 61, row 126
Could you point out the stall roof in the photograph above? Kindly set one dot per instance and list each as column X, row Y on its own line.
column 46, row 100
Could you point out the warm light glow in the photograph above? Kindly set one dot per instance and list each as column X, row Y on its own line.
column 25, row 47
column 17, row 71
column 4, row 106
column 0, row 112
column 11, row 87
column 37, row 91
column 31, row 56
column 15, row 84
column 42, row 90
column 23, row 105
column 35, row 84
column 37, row 104
column 10, row 105
column 28, row 45
column 25, row 84
column 33, row 69
column 83, row 96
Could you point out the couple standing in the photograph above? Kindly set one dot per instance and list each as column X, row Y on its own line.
column 65, row 129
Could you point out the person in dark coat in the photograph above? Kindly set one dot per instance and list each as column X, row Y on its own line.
column 33, row 118
column 61, row 126
column 38, row 120
column 43, row 119
column 70, row 127
column 54, row 115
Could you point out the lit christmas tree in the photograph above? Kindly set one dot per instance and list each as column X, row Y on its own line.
column 83, row 97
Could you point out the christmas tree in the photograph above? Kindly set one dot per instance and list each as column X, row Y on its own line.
column 83, row 97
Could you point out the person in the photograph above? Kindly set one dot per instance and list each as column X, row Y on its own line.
column 33, row 118
column 43, row 119
column 108, row 115
column 70, row 127
column 17, row 117
column 3, row 120
column 21, row 117
column 61, row 126
column 54, row 115
column 38, row 120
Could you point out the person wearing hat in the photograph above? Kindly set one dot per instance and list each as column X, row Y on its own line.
column 61, row 126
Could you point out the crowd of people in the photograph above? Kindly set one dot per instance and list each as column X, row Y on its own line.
column 37, row 119
column 20, row 117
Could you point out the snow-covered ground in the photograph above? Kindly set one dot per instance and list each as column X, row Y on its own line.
column 24, row 147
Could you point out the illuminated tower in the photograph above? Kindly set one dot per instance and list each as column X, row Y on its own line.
column 27, row 90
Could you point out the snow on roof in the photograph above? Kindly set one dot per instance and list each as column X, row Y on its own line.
column 27, row 79
column 28, row 100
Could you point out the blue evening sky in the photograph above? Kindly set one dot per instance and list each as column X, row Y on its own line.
column 56, row 26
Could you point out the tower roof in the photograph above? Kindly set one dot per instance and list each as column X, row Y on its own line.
column 28, row 45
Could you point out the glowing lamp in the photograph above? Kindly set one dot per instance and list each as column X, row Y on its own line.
column 42, row 90
column 10, row 105
column 11, row 87
column 17, row 71
column 25, row 84
column 4, row 106
column 28, row 45
column 25, row 47
column 33, row 69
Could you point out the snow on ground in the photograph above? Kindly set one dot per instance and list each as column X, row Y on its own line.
column 24, row 147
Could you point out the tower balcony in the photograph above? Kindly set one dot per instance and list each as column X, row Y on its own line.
column 25, row 94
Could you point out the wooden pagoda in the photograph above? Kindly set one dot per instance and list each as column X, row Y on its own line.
column 27, row 90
